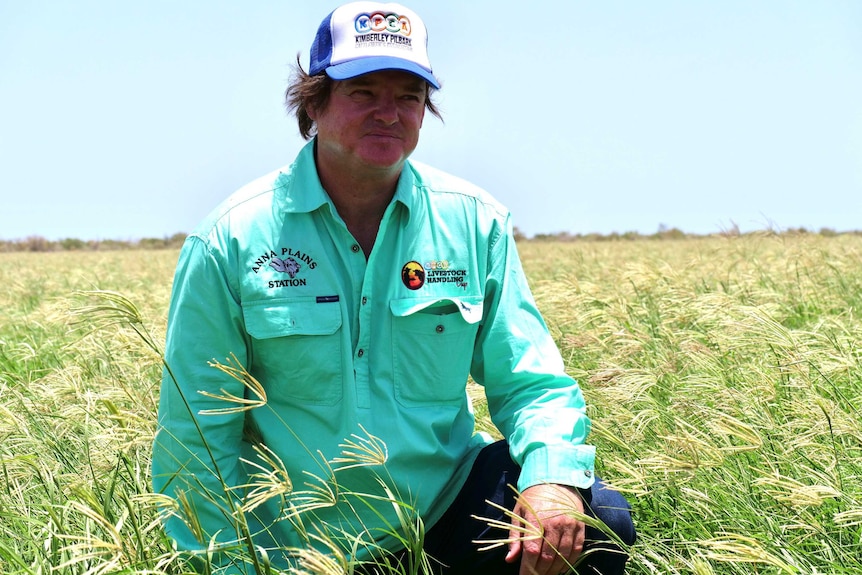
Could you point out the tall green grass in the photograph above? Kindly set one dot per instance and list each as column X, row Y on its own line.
column 723, row 375
column 77, row 416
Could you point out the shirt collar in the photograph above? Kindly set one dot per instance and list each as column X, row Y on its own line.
column 303, row 192
column 405, row 191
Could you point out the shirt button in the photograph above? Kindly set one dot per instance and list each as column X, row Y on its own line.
column 364, row 300
column 588, row 473
column 360, row 353
column 354, row 248
column 439, row 329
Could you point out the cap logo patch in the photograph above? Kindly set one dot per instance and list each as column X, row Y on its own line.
column 380, row 22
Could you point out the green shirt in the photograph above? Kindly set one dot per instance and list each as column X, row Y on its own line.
column 347, row 348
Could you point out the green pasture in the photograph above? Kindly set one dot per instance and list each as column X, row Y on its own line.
column 723, row 376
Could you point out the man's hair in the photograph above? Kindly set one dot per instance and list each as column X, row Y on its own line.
column 305, row 92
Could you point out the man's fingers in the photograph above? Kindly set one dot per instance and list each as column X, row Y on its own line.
column 540, row 557
column 531, row 563
column 569, row 550
column 555, row 552
column 515, row 547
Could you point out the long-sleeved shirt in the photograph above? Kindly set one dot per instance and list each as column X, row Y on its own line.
column 375, row 352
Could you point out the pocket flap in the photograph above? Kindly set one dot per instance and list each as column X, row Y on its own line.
column 278, row 318
column 470, row 307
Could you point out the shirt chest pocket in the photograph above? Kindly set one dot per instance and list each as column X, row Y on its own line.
column 432, row 346
column 296, row 349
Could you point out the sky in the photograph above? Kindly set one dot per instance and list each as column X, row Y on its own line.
column 126, row 120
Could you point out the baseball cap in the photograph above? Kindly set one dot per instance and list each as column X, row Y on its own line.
column 362, row 37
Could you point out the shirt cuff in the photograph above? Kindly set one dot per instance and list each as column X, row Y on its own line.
column 572, row 465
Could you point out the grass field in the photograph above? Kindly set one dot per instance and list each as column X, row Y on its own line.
column 724, row 378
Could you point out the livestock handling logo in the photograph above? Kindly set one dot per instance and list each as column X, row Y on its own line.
column 415, row 275
column 379, row 28
column 287, row 262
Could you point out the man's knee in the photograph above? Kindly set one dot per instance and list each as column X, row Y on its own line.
column 602, row 555
column 609, row 506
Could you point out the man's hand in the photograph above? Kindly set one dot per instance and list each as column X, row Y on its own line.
column 552, row 510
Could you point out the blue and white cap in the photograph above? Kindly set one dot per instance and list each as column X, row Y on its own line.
column 363, row 37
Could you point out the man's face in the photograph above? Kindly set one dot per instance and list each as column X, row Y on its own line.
column 371, row 121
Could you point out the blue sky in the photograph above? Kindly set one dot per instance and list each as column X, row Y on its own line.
column 122, row 120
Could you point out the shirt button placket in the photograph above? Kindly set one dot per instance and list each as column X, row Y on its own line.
column 363, row 399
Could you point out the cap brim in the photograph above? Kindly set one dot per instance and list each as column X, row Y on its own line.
column 361, row 66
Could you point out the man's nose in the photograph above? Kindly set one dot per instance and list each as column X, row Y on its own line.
column 387, row 110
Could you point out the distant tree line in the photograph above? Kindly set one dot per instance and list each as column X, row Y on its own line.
column 40, row 244
column 665, row 233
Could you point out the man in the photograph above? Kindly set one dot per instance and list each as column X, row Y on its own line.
column 357, row 290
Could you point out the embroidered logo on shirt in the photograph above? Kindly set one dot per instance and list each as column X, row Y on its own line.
column 290, row 262
column 287, row 266
column 413, row 275
column 444, row 271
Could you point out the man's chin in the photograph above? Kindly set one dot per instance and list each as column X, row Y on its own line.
column 391, row 159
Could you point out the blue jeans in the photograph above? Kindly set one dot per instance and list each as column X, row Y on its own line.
column 450, row 540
